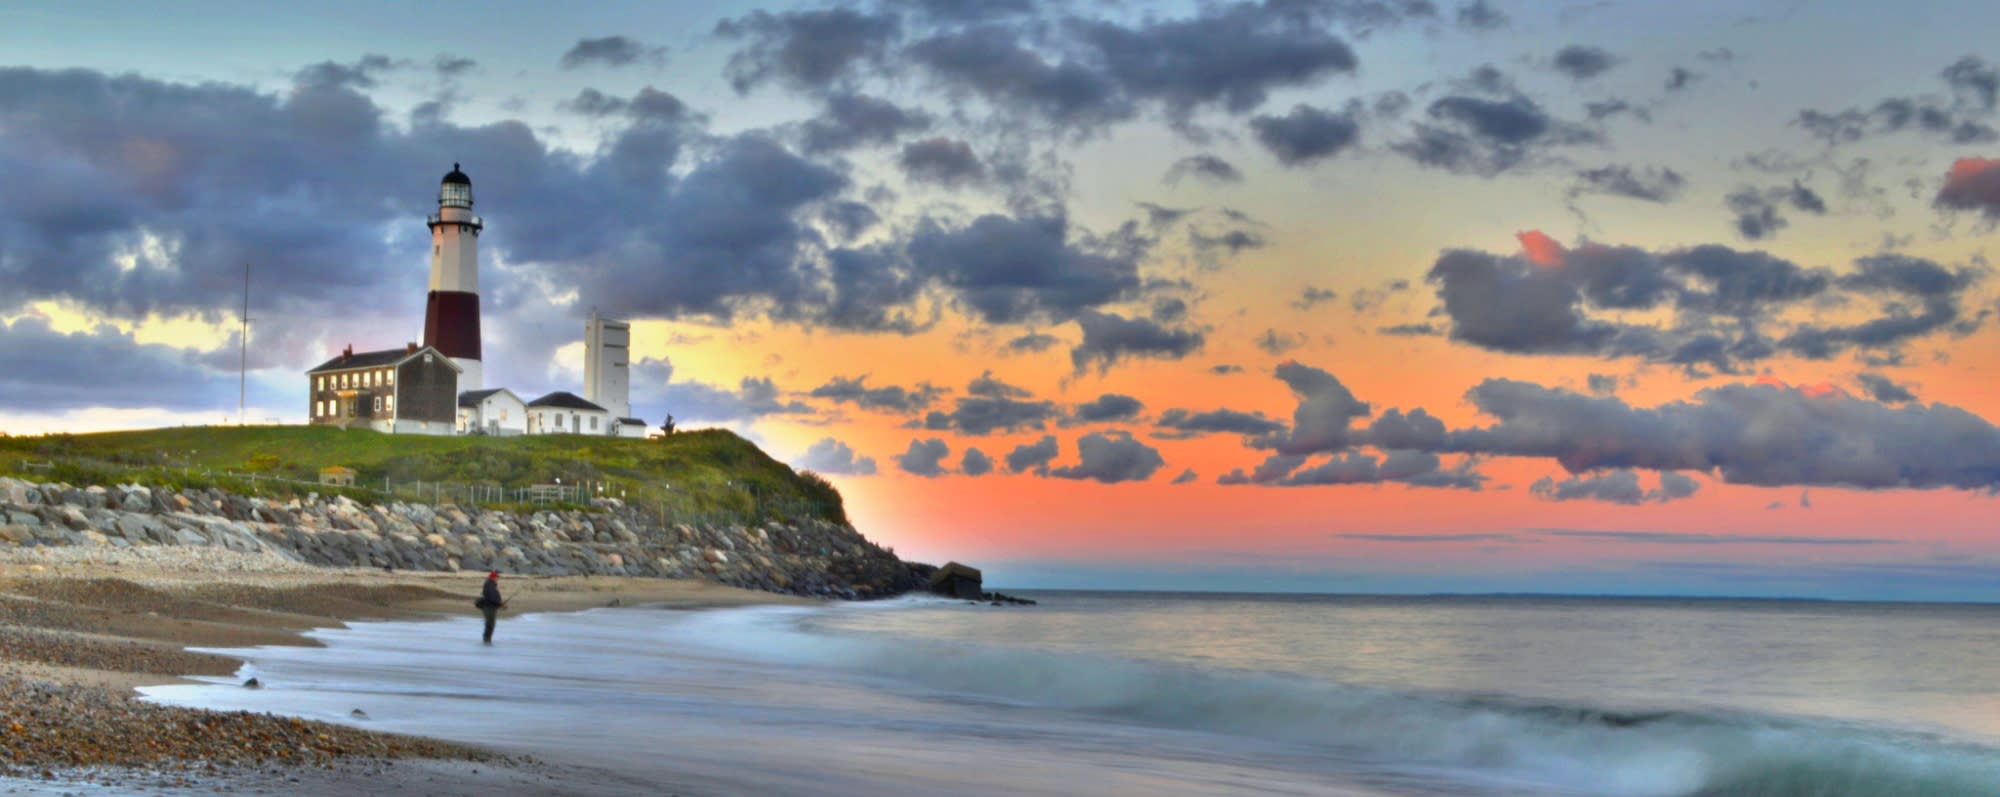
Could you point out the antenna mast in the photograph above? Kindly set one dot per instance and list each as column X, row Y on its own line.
column 243, row 356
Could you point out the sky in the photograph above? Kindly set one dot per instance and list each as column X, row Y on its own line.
column 1297, row 295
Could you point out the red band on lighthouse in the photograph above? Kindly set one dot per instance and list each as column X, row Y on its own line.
column 451, row 324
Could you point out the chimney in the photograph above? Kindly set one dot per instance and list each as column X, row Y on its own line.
column 347, row 353
column 409, row 348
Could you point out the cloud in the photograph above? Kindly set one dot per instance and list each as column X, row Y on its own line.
column 45, row 370
column 1582, row 62
column 1757, row 211
column 1958, row 121
column 1481, row 15
column 1033, row 457
column 984, row 415
column 1111, row 457
column 1413, row 468
column 1187, row 476
column 753, row 398
column 1882, row 389
column 613, row 51
column 975, row 463
column 1411, row 330
column 1763, row 435
column 1033, row 342
column 362, row 74
column 1305, row 135
column 986, row 385
column 1430, row 538
column 1680, row 78
column 1204, row 167
column 1178, row 424
column 924, row 458
column 1602, row 384
column 830, row 456
column 1327, row 409
column 1616, row 487
column 891, row 398
column 1276, row 344
column 451, row 66
column 849, row 120
column 1690, row 538
column 1008, row 270
column 1648, row 184
column 1109, row 339
column 809, row 50
column 941, row 161
column 1312, row 296
column 1488, row 135
column 1972, row 184
column 1107, row 408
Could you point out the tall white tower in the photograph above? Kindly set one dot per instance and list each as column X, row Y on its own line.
column 607, row 370
column 451, row 315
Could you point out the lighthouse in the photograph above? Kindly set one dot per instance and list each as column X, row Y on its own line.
column 451, row 315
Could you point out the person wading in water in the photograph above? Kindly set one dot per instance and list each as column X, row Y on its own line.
column 489, row 602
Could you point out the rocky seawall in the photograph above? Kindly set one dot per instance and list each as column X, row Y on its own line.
column 813, row 558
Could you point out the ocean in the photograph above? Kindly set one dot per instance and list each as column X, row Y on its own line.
column 1191, row 694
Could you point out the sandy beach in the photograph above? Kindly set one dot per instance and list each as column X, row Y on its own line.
column 81, row 628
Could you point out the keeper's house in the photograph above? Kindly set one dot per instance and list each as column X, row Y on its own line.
column 411, row 390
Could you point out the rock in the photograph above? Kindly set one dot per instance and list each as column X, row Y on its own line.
column 252, row 684
column 358, row 714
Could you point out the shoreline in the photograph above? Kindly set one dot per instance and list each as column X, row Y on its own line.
column 82, row 629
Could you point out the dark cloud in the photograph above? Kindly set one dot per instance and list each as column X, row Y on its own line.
column 1225, row 369
column 1690, row 538
column 1411, row 330
column 1033, row 457
column 941, row 161
column 1011, row 270
column 362, row 74
column 1582, row 62
column 1680, row 78
column 1756, row 214
column 988, row 61
column 892, row 398
column 1312, row 296
column 975, row 463
column 1972, row 184
column 924, row 458
column 1602, row 384
column 1616, row 487
column 1108, row 408
column 1417, row 429
column 1958, row 121
column 1307, row 134
column 611, row 51
column 1800, row 438
column 1204, row 167
column 1109, row 339
column 1033, row 342
column 42, row 370
column 1211, row 248
column 1169, row 310
column 1897, row 280
column 1508, row 304
column 1885, row 390
column 851, row 120
column 1649, row 183
column 1111, row 457
column 986, row 385
column 1326, row 412
column 1229, row 56
column 1426, row 538
column 830, row 456
column 1178, row 424
column 1276, row 344
column 1485, row 136
column 450, row 66
column 983, row 416
column 956, row 11
column 753, row 398
column 1481, row 15
column 806, row 50
column 1413, row 468
column 1599, row 110
column 1188, row 476
column 650, row 105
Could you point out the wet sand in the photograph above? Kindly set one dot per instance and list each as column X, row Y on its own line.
column 79, row 630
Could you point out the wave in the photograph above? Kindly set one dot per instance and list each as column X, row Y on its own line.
column 1571, row 749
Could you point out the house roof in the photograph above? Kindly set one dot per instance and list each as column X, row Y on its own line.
column 471, row 398
column 565, row 400
column 375, row 359
column 639, row 421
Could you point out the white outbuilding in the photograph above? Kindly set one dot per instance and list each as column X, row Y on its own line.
column 494, row 411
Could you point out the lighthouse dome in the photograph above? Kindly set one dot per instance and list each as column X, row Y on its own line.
column 456, row 190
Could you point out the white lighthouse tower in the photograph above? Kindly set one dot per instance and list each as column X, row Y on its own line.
column 451, row 315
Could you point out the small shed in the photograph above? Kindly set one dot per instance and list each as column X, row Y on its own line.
column 336, row 476
column 958, row 581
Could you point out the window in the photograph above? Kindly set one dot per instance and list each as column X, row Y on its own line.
column 558, row 421
column 378, row 403
column 389, row 377
column 593, row 423
column 389, row 403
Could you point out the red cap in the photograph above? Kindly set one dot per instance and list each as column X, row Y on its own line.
column 494, row 574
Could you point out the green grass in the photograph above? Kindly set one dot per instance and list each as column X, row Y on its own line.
column 710, row 474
